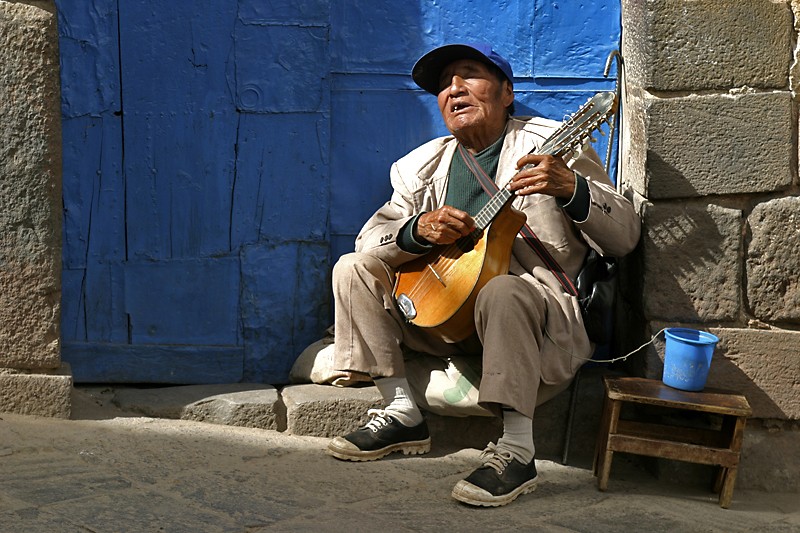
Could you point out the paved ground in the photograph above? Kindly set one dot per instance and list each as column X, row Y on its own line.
column 109, row 471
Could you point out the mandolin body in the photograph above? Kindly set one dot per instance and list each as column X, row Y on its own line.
column 443, row 285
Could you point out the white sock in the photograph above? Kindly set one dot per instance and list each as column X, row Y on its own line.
column 399, row 401
column 517, row 436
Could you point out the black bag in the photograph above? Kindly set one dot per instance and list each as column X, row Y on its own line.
column 597, row 294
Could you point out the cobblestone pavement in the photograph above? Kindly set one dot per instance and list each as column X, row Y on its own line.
column 108, row 471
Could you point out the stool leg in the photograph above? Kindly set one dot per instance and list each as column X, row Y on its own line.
column 729, row 478
column 719, row 479
column 726, row 494
column 604, row 466
column 602, row 437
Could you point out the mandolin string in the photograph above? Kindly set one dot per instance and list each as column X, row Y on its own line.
column 428, row 280
column 425, row 284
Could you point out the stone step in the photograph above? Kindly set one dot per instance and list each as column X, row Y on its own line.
column 327, row 411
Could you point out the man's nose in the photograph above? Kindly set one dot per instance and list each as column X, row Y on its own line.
column 456, row 84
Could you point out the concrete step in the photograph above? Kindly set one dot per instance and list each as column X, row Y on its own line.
column 326, row 411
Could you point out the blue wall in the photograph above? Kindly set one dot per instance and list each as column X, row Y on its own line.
column 220, row 155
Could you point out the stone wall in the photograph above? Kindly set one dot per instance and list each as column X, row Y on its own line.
column 31, row 377
column 710, row 149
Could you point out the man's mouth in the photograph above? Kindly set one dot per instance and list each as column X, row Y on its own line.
column 458, row 107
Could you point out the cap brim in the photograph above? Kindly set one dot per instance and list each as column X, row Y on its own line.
column 428, row 69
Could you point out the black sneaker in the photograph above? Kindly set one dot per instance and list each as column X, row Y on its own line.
column 379, row 437
column 498, row 482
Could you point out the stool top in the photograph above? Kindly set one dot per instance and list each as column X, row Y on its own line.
column 655, row 392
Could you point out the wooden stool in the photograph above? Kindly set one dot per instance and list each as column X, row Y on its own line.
column 670, row 442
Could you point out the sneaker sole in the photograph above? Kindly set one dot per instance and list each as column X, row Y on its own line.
column 346, row 451
column 470, row 494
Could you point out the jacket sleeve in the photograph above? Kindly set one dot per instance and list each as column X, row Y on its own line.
column 380, row 234
column 612, row 226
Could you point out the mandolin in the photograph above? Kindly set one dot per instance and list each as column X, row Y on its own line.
column 439, row 289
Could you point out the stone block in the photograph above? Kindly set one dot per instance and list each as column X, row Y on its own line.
column 773, row 258
column 714, row 144
column 692, row 270
column 672, row 45
column 769, row 461
column 30, row 187
column 327, row 411
column 761, row 364
column 236, row 404
column 36, row 394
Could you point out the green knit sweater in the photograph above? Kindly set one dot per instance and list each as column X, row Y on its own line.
column 464, row 192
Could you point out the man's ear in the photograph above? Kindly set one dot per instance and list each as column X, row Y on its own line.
column 508, row 93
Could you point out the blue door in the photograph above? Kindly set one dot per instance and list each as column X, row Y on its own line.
column 219, row 156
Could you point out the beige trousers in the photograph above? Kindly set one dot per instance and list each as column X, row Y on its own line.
column 510, row 315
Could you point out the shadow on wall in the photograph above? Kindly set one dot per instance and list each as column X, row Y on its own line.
column 692, row 267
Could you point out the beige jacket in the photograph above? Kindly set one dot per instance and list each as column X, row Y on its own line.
column 420, row 179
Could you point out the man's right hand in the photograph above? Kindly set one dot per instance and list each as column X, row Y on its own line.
column 444, row 226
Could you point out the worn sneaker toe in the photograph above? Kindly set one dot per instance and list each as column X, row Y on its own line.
column 379, row 437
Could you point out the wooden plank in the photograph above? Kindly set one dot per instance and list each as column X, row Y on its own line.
column 191, row 302
column 89, row 58
column 180, row 126
column 282, row 181
column 280, row 319
column 126, row 363
column 698, row 436
column 93, row 190
column 672, row 450
column 282, row 68
column 654, row 392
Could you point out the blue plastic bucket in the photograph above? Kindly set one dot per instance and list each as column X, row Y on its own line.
column 687, row 358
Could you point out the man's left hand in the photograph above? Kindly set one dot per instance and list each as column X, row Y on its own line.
column 545, row 174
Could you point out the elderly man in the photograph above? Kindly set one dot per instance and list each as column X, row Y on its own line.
column 528, row 329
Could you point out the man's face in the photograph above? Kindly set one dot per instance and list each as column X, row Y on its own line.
column 473, row 100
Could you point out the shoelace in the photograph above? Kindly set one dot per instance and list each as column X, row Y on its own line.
column 378, row 420
column 495, row 458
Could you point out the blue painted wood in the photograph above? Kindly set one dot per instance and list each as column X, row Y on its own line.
column 93, row 190
column 106, row 319
column 219, row 156
column 282, row 186
column 281, row 68
column 572, row 38
column 284, row 305
column 180, row 127
column 192, row 301
column 141, row 363
column 382, row 126
column 302, row 12
column 89, row 48
column 73, row 308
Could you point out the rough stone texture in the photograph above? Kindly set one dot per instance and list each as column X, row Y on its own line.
column 768, row 462
column 238, row 404
column 30, row 187
column 673, row 45
column 326, row 411
column 697, row 145
column 764, row 365
column 687, row 250
column 773, row 261
column 769, row 459
column 761, row 364
column 794, row 73
column 36, row 394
